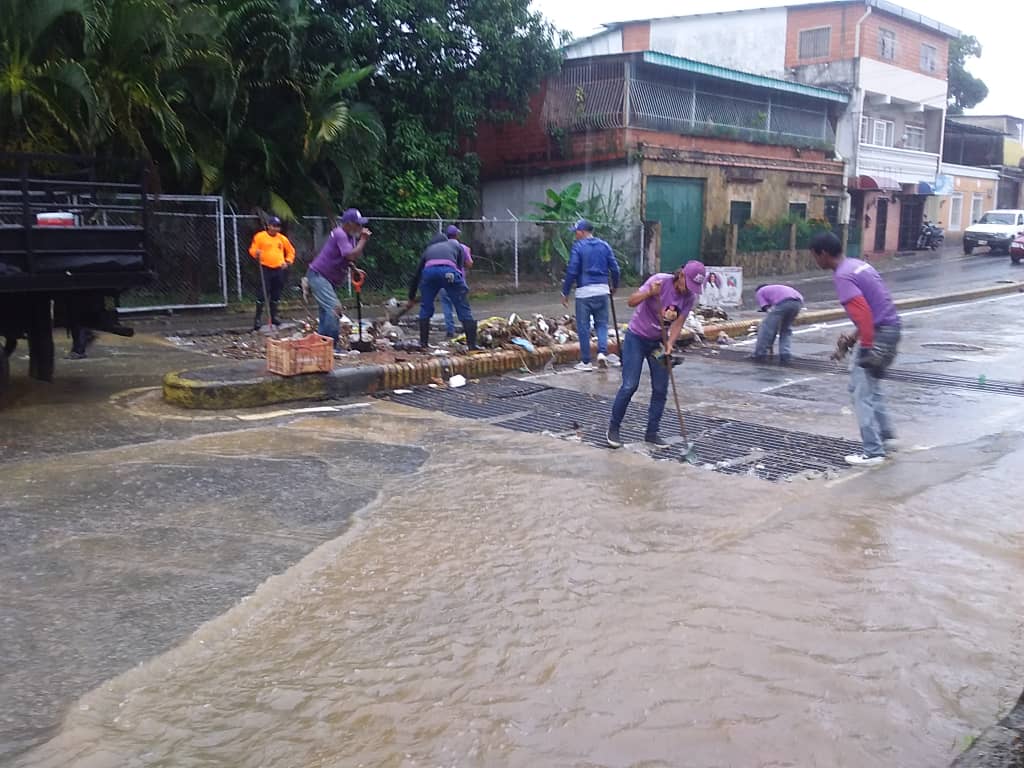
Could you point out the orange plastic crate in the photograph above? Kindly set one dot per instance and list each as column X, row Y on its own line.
column 310, row 354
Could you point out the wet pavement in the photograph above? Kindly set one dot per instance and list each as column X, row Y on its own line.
column 389, row 586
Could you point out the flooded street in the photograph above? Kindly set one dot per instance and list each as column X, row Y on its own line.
column 507, row 599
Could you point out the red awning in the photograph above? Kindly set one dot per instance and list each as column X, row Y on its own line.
column 875, row 182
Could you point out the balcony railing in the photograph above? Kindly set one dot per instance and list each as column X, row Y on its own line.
column 577, row 102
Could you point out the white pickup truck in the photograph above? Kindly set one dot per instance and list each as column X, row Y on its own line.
column 996, row 229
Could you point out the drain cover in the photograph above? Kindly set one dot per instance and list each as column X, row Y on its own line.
column 952, row 346
column 724, row 445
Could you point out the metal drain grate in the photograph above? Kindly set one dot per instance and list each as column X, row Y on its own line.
column 725, row 445
column 920, row 378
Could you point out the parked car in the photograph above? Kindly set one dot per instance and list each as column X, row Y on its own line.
column 996, row 229
column 1017, row 249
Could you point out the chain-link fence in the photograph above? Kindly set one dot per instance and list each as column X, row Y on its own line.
column 186, row 252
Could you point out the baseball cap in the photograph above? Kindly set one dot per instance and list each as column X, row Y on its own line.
column 582, row 226
column 353, row 216
column 695, row 273
column 274, row 221
column 453, row 231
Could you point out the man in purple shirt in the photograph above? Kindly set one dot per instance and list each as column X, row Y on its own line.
column 782, row 304
column 866, row 300
column 663, row 298
column 329, row 269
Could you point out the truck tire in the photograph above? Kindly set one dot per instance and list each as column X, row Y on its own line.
column 968, row 249
column 1015, row 258
column 40, row 341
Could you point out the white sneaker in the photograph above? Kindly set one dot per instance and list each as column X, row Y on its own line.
column 581, row 366
column 602, row 360
column 863, row 460
column 613, row 361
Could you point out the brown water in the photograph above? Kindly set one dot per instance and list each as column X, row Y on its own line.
column 531, row 602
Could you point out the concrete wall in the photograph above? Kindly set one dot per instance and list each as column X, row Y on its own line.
column 752, row 41
column 967, row 182
column 892, row 229
column 904, row 84
column 903, row 165
column 600, row 44
column 500, row 196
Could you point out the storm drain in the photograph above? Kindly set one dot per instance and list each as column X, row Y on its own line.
column 723, row 445
column 920, row 378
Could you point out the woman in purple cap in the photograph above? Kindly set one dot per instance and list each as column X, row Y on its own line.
column 330, row 268
column 664, row 298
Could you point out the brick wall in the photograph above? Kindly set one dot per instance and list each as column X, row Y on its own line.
column 843, row 18
column 636, row 37
column 496, row 144
column 909, row 38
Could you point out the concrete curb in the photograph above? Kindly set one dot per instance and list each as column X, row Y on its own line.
column 248, row 385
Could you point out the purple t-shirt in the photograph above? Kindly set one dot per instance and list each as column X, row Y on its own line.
column 646, row 321
column 770, row 295
column 854, row 278
column 333, row 260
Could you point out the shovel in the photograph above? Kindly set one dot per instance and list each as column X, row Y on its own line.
column 358, row 278
column 615, row 320
column 690, row 456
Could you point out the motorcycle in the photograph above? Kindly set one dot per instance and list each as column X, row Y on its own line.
column 931, row 238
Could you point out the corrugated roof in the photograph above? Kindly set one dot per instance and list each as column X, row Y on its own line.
column 734, row 75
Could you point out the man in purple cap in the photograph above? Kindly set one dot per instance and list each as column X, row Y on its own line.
column 664, row 298
column 452, row 233
column 329, row 269
column 869, row 305
column 782, row 303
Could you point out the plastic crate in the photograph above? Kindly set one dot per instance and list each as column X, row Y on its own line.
column 291, row 357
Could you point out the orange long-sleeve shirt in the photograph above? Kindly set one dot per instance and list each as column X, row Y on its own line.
column 273, row 251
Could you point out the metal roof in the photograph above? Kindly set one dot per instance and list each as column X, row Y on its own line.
column 734, row 75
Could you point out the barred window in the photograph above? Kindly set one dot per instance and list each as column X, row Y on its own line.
column 929, row 57
column 887, row 44
column 814, row 43
column 913, row 137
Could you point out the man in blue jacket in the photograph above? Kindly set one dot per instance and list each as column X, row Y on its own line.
column 591, row 264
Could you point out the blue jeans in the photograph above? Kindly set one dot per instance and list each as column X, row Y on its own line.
column 449, row 312
column 872, row 416
column 451, row 281
column 636, row 349
column 593, row 307
column 327, row 300
column 778, row 322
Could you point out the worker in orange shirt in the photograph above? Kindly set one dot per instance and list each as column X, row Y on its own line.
column 275, row 254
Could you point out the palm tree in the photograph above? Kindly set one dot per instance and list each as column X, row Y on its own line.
column 45, row 94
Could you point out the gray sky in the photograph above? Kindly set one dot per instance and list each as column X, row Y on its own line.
column 993, row 22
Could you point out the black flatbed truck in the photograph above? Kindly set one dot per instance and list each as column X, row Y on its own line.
column 70, row 245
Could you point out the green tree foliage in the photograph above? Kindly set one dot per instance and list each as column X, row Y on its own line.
column 965, row 90
column 296, row 106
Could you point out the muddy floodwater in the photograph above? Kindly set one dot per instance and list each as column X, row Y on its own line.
column 525, row 601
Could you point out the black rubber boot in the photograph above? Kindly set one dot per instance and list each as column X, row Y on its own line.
column 274, row 318
column 424, row 332
column 258, row 320
column 470, row 329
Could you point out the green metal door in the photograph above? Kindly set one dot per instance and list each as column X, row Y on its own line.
column 679, row 205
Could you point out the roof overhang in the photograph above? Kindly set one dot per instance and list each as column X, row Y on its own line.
column 880, row 183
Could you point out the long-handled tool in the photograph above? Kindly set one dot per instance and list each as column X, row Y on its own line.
column 266, row 300
column 615, row 320
column 690, row 456
column 358, row 278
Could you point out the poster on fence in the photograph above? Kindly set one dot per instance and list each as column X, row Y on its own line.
column 723, row 287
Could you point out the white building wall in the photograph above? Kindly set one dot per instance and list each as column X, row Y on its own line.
column 751, row 41
column 498, row 197
column 600, row 44
column 902, row 84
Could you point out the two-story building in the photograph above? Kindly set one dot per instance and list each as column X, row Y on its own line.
column 891, row 61
column 684, row 146
column 995, row 142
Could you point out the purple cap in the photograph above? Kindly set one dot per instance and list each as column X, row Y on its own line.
column 582, row 226
column 453, row 231
column 274, row 221
column 696, row 273
column 353, row 216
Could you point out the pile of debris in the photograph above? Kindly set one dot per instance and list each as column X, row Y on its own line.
column 385, row 337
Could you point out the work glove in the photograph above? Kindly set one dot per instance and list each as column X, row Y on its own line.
column 871, row 360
